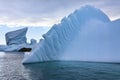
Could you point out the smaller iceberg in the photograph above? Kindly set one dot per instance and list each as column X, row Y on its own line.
column 17, row 41
column 16, row 37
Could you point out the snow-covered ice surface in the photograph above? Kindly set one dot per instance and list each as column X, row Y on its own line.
column 86, row 35
column 16, row 48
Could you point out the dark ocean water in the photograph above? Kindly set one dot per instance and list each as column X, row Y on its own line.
column 11, row 68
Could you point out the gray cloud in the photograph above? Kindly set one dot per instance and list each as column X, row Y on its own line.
column 48, row 12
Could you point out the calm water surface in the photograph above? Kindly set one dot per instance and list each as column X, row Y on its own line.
column 11, row 68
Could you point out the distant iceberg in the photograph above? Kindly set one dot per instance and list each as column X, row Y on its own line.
column 16, row 37
column 16, row 40
column 85, row 35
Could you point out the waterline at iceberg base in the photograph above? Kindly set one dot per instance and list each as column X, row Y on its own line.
column 12, row 69
column 85, row 35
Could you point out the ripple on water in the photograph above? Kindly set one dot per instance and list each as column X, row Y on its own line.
column 11, row 68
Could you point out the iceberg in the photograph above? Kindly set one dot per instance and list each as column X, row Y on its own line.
column 86, row 35
column 16, row 37
column 17, row 41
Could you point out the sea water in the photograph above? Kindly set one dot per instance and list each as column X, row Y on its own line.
column 11, row 68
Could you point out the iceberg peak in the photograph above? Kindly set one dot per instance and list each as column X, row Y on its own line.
column 88, row 12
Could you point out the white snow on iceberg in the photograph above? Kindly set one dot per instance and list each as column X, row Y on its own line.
column 87, row 35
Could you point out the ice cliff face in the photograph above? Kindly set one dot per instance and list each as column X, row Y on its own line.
column 16, row 37
column 84, row 35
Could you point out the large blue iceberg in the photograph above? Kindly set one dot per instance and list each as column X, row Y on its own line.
column 86, row 34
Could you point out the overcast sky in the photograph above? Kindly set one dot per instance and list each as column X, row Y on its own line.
column 49, row 12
